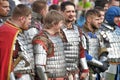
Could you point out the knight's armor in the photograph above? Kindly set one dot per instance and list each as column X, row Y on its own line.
column 72, row 49
column 54, row 66
column 26, row 65
column 92, row 46
column 111, row 36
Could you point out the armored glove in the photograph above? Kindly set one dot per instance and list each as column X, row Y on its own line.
column 98, row 66
column 104, row 67
column 104, row 60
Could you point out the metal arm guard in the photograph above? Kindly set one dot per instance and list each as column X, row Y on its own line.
column 98, row 66
column 41, row 72
column 40, row 55
column 103, row 58
column 40, row 61
column 95, row 63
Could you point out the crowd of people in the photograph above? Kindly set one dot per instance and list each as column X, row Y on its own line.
column 59, row 40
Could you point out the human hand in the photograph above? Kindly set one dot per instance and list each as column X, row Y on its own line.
column 83, row 76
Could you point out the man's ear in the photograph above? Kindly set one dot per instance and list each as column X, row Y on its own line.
column 42, row 11
column 22, row 19
column 88, row 19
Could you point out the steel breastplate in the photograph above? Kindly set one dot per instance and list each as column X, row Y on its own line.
column 56, row 66
column 93, row 46
column 72, row 48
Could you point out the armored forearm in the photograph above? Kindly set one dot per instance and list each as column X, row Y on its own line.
column 92, row 61
column 95, row 62
column 40, row 61
column 41, row 72
column 99, row 66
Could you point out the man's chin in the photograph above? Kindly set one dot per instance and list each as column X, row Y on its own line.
column 26, row 28
column 70, row 20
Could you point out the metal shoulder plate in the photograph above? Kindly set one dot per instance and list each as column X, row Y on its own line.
column 48, row 45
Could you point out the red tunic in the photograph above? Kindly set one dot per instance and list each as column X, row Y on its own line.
column 8, row 34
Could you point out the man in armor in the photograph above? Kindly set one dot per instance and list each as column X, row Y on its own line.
column 111, row 33
column 40, row 10
column 92, row 44
column 74, row 52
column 49, row 49
column 14, row 58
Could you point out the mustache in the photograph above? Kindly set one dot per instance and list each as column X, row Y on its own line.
column 71, row 16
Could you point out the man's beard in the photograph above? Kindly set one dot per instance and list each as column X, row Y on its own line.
column 3, row 16
column 93, row 26
column 69, row 21
column 24, row 26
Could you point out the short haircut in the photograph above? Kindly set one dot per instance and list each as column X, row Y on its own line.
column 66, row 3
column 92, row 13
column 99, row 8
column 21, row 10
column 38, row 5
column 52, row 17
column 54, row 7
column 101, row 3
